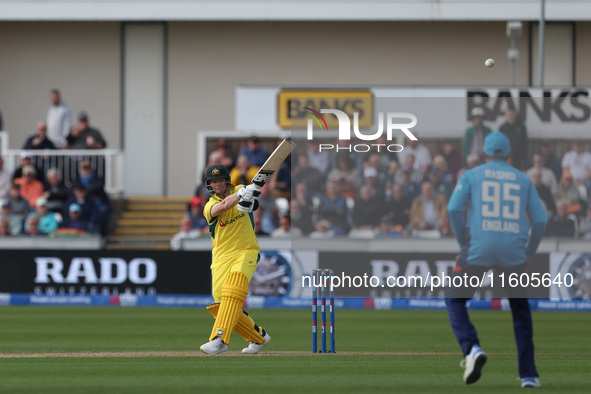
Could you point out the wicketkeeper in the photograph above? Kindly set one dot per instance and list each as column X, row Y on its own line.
column 235, row 257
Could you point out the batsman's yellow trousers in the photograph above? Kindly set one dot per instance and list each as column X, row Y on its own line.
column 245, row 262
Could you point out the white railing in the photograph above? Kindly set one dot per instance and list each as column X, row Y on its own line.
column 108, row 163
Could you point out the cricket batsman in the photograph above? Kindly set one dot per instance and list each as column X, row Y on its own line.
column 235, row 257
column 502, row 206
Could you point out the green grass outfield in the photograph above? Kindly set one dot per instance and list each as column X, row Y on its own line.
column 156, row 350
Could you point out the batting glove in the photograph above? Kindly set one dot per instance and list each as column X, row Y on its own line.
column 245, row 193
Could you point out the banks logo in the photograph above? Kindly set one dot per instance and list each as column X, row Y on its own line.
column 393, row 122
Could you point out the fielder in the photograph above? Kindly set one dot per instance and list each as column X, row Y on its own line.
column 235, row 257
column 501, row 202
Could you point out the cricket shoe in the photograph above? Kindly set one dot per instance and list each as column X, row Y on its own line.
column 253, row 348
column 473, row 363
column 214, row 346
column 530, row 382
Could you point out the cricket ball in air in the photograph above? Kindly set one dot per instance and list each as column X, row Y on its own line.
column 489, row 63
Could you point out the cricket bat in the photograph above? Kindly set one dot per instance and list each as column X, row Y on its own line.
column 273, row 162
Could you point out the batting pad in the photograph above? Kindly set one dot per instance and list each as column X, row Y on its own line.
column 246, row 327
column 234, row 291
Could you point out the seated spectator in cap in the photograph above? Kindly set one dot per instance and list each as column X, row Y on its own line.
column 95, row 186
column 300, row 220
column 367, row 210
column 440, row 186
column 323, row 230
column 75, row 220
column 32, row 226
column 55, row 191
column 429, row 210
column 47, row 220
column 31, row 188
column 27, row 160
column 562, row 224
column 285, row 230
column 20, row 206
column 185, row 232
column 195, row 213
column 4, row 228
column 82, row 136
column 371, row 179
column 5, row 181
column 255, row 153
column 548, row 177
column 471, row 161
column 243, row 173
column 415, row 176
column 39, row 140
column 385, row 229
column 411, row 188
column 89, row 207
column 15, row 222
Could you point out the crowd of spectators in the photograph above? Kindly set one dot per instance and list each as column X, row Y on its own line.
column 35, row 201
column 382, row 194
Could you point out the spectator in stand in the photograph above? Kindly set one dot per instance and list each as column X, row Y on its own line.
column 585, row 226
column 440, row 186
column 318, row 159
column 285, row 230
column 415, row 175
column 185, row 232
column 374, row 160
column 447, row 176
column 452, row 157
column 429, row 210
column 548, row 177
column 95, row 186
column 255, row 153
column 343, row 149
column 59, row 120
column 89, row 207
column 516, row 131
column 32, row 226
column 471, row 161
column 367, row 210
column 243, row 173
column 473, row 141
column 39, row 140
column 74, row 219
column 333, row 208
column 4, row 228
column 562, row 224
column 5, row 181
column 398, row 209
column 411, row 189
column 348, row 178
column 569, row 192
column 550, row 161
column 31, row 188
column 421, row 153
column 385, row 230
column 55, row 191
column 323, row 230
column 280, row 183
column 269, row 215
column 82, row 136
column 195, row 213
column 27, row 160
column 544, row 192
column 47, row 221
column 309, row 175
column 15, row 222
column 300, row 219
column 20, row 206
column 227, row 159
column 258, row 219
column 578, row 163
column 371, row 179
